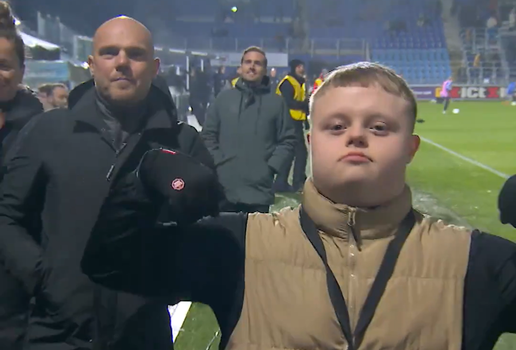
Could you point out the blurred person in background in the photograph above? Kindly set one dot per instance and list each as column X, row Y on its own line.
column 53, row 95
column 219, row 80
column 445, row 93
column 293, row 90
column 199, row 94
column 55, row 184
column 18, row 105
column 511, row 92
column 273, row 76
column 319, row 80
column 250, row 135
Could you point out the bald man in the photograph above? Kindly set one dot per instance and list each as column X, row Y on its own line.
column 52, row 192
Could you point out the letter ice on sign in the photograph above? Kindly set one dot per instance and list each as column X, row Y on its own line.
column 473, row 92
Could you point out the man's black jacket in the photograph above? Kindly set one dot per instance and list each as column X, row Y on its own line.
column 59, row 175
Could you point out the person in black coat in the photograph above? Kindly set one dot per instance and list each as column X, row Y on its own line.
column 60, row 174
column 507, row 202
column 18, row 105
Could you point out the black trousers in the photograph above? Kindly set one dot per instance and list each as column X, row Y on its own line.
column 14, row 312
column 244, row 208
column 299, row 158
column 446, row 103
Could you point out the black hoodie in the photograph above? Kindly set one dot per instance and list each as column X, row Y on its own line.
column 60, row 174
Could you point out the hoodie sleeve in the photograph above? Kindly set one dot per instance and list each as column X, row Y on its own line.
column 287, row 92
column 21, row 202
column 490, row 287
column 191, row 143
column 211, row 131
column 286, row 139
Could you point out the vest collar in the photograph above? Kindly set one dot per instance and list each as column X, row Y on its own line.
column 341, row 220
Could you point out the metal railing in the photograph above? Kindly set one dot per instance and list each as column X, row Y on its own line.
column 80, row 46
column 487, row 42
column 312, row 46
column 479, row 38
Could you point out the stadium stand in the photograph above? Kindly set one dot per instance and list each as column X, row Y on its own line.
column 487, row 43
column 482, row 56
column 417, row 66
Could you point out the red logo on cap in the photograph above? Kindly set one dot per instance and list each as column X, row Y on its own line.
column 177, row 184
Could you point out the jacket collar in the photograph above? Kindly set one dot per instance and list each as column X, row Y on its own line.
column 162, row 112
column 22, row 107
column 263, row 88
column 365, row 224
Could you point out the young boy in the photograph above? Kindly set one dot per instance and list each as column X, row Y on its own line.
column 355, row 266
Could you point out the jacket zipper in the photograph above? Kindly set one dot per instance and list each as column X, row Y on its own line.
column 112, row 168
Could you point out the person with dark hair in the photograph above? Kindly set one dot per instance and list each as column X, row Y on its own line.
column 18, row 105
column 293, row 89
column 250, row 135
column 53, row 95
column 59, row 175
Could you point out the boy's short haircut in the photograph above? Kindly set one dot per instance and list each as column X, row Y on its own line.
column 254, row 49
column 366, row 74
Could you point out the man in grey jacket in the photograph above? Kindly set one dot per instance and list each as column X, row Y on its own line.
column 250, row 135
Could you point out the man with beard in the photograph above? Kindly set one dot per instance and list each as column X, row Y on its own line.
column 55, row 184
column 250, row 135
column 53, row 96
column 292, row 88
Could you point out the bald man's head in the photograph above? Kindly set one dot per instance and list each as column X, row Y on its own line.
column 122, row 62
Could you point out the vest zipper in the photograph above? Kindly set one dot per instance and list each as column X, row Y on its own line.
column 351, row 224
column 351, row 218
column 352, row 282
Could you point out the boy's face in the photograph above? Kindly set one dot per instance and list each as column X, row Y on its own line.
column 361, row 143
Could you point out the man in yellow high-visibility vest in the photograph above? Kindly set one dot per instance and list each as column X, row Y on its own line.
column 292, row 88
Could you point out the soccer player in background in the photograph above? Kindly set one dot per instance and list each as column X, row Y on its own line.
column 445, row 93
column 511, row 92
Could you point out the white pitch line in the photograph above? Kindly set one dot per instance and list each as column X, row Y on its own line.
column 178, row 314
column 466, row 159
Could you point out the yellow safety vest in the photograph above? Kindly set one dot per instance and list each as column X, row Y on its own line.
column 234, row 81
column 299, row 95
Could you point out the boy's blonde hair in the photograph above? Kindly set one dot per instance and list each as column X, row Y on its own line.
column 366, row 74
